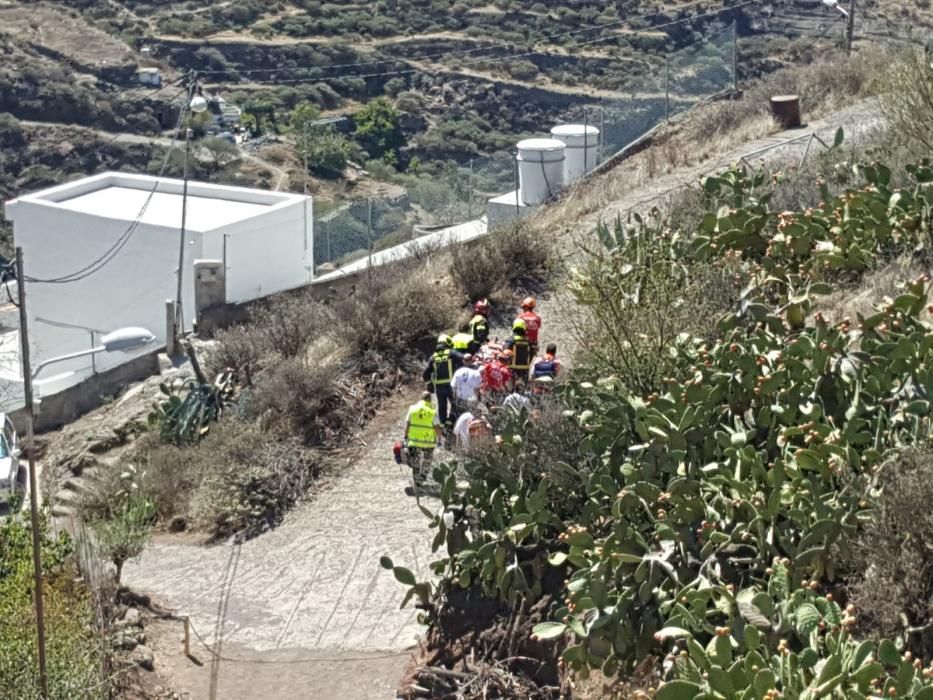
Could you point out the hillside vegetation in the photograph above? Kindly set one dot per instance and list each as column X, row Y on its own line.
column 708, row 508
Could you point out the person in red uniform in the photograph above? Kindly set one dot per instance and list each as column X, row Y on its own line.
column 532, row 323
column 496, row 376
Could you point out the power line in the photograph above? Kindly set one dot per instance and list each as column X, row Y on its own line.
column 124, row 238
column 464, row 52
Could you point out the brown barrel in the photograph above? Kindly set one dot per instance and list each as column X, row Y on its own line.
column 786, row 110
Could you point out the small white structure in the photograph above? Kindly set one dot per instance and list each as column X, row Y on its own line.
column 224, row 114
column 505, row 208
column 102, row 253
column 540, row 164
column 151, row 77
column 582, row 142
column 540, row 169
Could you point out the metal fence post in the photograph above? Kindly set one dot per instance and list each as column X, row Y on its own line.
column 93, row 357
column 735, row 55
column 369, row 231
column 517, row 185
column 470, row 193
column 602, row 131
column 667, row 88
column 327, row 239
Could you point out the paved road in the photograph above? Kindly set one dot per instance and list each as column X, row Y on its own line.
column 313, row 586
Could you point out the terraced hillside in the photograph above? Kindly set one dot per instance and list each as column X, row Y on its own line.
column 463, row 78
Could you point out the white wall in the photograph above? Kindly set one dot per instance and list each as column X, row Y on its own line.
column 264, row 254
column 131, row 290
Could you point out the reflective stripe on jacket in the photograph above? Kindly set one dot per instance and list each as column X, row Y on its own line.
column 443, row 370
column 521, row 354
column 421, row 432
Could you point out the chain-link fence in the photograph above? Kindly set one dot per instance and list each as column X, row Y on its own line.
column 460, row 190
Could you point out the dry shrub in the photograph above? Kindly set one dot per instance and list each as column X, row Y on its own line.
column 280, row 328
column 517, row 256
column 908, row 100
column 894, row 590
column 249, row 478
column 239, row 348
column 300, row 395
column 289, row 323
column 478, row 271
column 392, row 309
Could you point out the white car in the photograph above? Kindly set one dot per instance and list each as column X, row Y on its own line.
column 10, row 482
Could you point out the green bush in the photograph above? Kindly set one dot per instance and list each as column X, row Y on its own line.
column 712, row 522
column 74, row 655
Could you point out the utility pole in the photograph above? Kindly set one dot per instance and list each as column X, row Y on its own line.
column 33, row 485
column 188, row 108
column 850, row 27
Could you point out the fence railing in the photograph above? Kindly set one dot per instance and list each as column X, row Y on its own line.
column 458, row 191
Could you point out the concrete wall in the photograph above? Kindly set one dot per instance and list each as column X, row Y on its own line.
column 131, row 290
column 73, row 402
column 264, row 255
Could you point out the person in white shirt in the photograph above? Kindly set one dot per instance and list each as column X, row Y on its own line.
column 466, row 384
column 462, row 430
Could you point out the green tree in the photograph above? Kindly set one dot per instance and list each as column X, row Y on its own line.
column 219, row 152
column 123, row 532
column 263, row 114
column 11, row 131
column 325, row 150
column 378, row 129
column 74, row 653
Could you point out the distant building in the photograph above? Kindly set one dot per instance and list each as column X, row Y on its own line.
column 224, row 115
column 260, row 240
column 151, row 77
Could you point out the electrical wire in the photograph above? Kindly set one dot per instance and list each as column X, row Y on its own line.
column 98, row 264
column 464, row 52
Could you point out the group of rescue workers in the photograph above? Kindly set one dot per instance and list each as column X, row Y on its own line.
column 472, row 375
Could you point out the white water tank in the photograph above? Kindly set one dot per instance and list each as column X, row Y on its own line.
column 540, row 169
column 582, row 143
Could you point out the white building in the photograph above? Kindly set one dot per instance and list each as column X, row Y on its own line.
column 149, row 76
column 107, row 247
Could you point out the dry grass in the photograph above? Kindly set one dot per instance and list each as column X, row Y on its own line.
column 710, row 131
column 64, row 33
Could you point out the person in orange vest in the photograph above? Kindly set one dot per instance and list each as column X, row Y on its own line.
column 532, row 323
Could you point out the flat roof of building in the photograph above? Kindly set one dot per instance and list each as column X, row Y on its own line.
column 157, row 201
column 163, row 209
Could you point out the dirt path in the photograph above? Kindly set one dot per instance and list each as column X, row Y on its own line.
column 311, row 589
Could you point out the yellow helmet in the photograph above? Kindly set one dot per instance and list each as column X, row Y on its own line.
column 445, row 340
column 518, row 325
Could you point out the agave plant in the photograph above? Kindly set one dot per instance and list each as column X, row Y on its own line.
column 190, row 407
